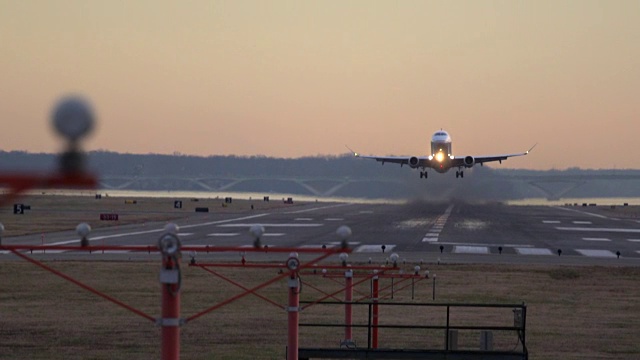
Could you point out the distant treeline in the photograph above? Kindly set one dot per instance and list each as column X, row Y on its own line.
column 480, row 182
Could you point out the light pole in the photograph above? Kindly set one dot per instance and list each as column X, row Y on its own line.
column 170, row 279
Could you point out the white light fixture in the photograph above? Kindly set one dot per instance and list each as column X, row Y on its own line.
column 169, row 244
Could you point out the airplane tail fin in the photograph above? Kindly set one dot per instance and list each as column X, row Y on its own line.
column 351, row 150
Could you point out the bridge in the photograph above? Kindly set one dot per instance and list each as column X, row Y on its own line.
column 549, row 186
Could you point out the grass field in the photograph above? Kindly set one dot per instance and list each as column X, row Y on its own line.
column 573, row 312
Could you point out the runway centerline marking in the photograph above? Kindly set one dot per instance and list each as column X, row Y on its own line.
column 633, row 240
column 582, row 222
column 223, row 234
column 551, row 221
column 617, row 230
column 434, row 232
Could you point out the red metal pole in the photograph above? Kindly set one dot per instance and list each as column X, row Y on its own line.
column 170, row 321
column 375, row 293
column 293, row 316
column 348, row 311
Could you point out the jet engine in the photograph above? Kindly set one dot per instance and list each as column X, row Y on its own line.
column 413, row 162
column 469, row 161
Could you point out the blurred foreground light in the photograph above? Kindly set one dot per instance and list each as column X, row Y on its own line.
column 171, row 228
column 73, row 117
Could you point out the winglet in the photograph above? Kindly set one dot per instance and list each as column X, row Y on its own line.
column 528, row 151
column 353, row 152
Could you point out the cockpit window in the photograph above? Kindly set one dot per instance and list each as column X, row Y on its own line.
column 440, row 134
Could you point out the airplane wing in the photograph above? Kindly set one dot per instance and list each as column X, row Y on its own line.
column 402, row 160
column 423, row 161
column 459, row 161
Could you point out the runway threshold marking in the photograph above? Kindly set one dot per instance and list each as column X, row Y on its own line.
column 617, row 230
column 374, row 248
column 597, row 253
column 533, row 251
column 471, row 249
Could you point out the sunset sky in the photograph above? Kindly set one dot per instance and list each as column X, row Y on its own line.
column 299, row 78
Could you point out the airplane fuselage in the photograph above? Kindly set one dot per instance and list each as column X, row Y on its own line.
column 441, row 151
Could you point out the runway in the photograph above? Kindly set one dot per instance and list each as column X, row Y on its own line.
column 455, row 232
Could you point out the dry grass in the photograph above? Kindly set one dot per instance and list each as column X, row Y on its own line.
column 65, row 212
column 573, row 312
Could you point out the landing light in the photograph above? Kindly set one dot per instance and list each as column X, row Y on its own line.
column 430, row 157
column 439, row 157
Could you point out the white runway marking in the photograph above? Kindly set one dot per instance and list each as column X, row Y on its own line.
column 350, row 244
column 223, row 234
column 333, row 219
column 483, row 244
column 374, row 248
column 273, row 234
column 470, row 249
column 551, row 221
column 617, row 230
column 303, row 219
column 317, row 246
column 185, row 234
column 595, row 239
column 366, row 212
column 156, row 230
column 434, row 233
column 270, row 225
column 582, row 212
column 582, row 222
column 633, row 240
column 533, row 251
column 596, row 253
column 315, row 209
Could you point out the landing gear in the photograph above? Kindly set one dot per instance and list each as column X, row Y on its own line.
column 423, row 174
column 459, row 174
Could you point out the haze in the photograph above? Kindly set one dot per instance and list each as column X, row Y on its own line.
column 299, row 78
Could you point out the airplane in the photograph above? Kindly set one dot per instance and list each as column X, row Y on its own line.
column 441, row 158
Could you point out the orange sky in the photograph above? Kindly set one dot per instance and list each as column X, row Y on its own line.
column 297, row 78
